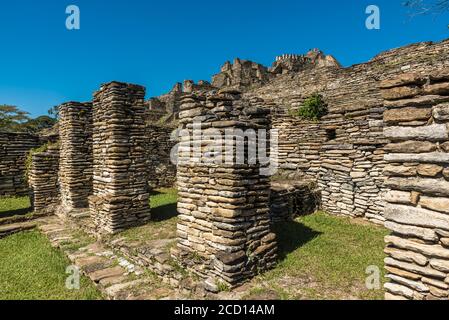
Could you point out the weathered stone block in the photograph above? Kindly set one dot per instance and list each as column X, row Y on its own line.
column 407, row 114
column 411, row 147
column 402, row 80
column 416, row 216
column 431, row 186
column 400, row 93
column 429, row 170
column 435, row 132
column 441, row 112
column 434, row 157
column 412, row 231
column 399, row 171
column 437, row 204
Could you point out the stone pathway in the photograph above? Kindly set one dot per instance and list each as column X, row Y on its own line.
column 116, row 277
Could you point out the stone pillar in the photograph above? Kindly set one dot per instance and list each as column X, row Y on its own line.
column 43, row 179
column 417, row 212
column 120, row 192
column 224, row 224
column 75, row 167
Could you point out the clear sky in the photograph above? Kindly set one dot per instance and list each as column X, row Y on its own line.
column 158, row 43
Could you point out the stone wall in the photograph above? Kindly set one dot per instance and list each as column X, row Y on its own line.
column 417, row 213
column 161, row 170
column 290, row 199
column 43, row 179
column 120, row 190
column 343, row 151
column 14, row 148
column 224, row 224
column 75, row 171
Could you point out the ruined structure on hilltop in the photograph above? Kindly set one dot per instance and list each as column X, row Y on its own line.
column 243, row 75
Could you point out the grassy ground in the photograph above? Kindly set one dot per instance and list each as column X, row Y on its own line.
column 324, row 257
column 10, row 206
column 31, row 269
column 163, row 215
column 321, row 257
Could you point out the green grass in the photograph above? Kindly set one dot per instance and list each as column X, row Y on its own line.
column 30, row 269
column 10, row 206
column 321, row 257
column 325, row 257
column 163, row 216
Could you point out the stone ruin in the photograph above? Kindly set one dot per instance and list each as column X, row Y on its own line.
column 120, row 196
column 417, row 210
column 380, row 153
column 224, row 207
column 76, row 171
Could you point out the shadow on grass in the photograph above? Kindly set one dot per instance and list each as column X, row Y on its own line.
column 17, row 212
column 164, row 212
column 291, row 236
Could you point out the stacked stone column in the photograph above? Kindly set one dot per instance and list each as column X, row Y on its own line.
column 75, row 168
column 417, row 212
column 224, row 224
column 43, row 179
column 120, row 192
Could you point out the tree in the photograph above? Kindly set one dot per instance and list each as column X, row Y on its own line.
column 12, row 118
column 38, row 124
column 427, row 6
column 54, row 112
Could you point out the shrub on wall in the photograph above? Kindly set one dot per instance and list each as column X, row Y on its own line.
column 313, row 108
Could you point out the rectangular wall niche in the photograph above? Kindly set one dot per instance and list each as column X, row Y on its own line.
column 120, row 191
column 75, row 166
column 417, row 213
column 224, row 224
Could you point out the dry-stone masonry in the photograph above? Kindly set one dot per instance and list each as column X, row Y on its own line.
column 75, row 167
column 417, row 213
column 343, row 151
column 159, row 148
column 290, row 199
column 14, row 148
column 224, row 223
column 43, row 178
column 120, row 190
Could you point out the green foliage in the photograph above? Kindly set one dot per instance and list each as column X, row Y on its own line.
column 54, row 112
column 420, row 7
column 313, row 108
column 30, row 269
column 223, row 287
column 39, row 124
column 29, row 158
column 12, row 119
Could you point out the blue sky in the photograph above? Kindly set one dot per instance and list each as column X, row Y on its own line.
column 158, row 43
